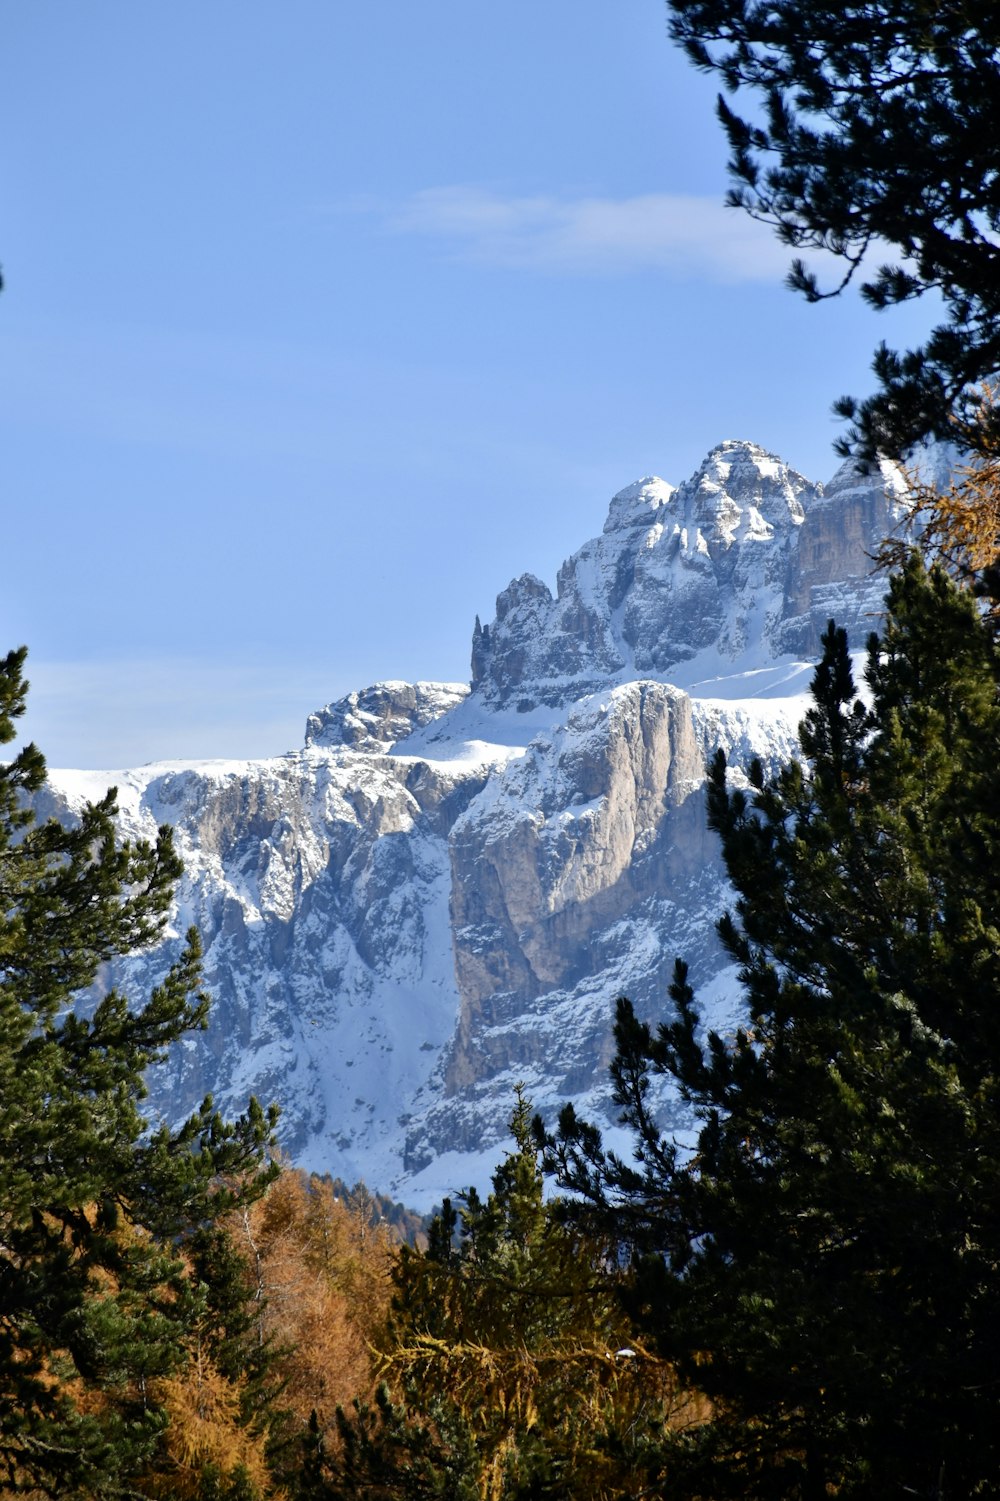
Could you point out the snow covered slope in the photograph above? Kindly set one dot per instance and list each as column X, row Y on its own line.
column 444, row 891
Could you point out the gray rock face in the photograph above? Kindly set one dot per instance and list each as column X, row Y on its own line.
column 596, row 832
column 549, row 856
column 443, row 893
column 834, row 573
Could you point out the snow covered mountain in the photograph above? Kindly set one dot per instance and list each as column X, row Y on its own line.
column 443, row 892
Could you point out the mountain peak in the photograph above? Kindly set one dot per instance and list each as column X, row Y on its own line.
column 714, row 564
column 638, row 504
column 741, row 488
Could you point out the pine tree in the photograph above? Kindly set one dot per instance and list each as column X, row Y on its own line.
column 874, row 129
column 233, row 1328
column 825, row 1264
column 95, row 1204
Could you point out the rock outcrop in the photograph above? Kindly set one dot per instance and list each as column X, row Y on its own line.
column 374, row 718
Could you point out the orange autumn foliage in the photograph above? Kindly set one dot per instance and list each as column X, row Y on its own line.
column 204, row 1431
column 320, row 1272
column 958, row 526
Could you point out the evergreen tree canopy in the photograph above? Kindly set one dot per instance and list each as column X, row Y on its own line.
column 878, row 129
column 95, row 1206
column 826, row 1262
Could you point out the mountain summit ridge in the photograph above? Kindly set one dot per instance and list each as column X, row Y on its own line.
column 739, row 559
column 443, row 892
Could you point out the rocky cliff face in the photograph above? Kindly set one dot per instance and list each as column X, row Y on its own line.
column 443, row 893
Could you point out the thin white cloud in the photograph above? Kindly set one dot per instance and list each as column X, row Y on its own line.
column 680, row 235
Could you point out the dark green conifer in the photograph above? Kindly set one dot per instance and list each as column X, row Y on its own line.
column 232, row 1324
column 872, row 138
column 826, row 1264
column 95, row 1300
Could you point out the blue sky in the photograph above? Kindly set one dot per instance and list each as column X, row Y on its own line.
column 323, row 320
